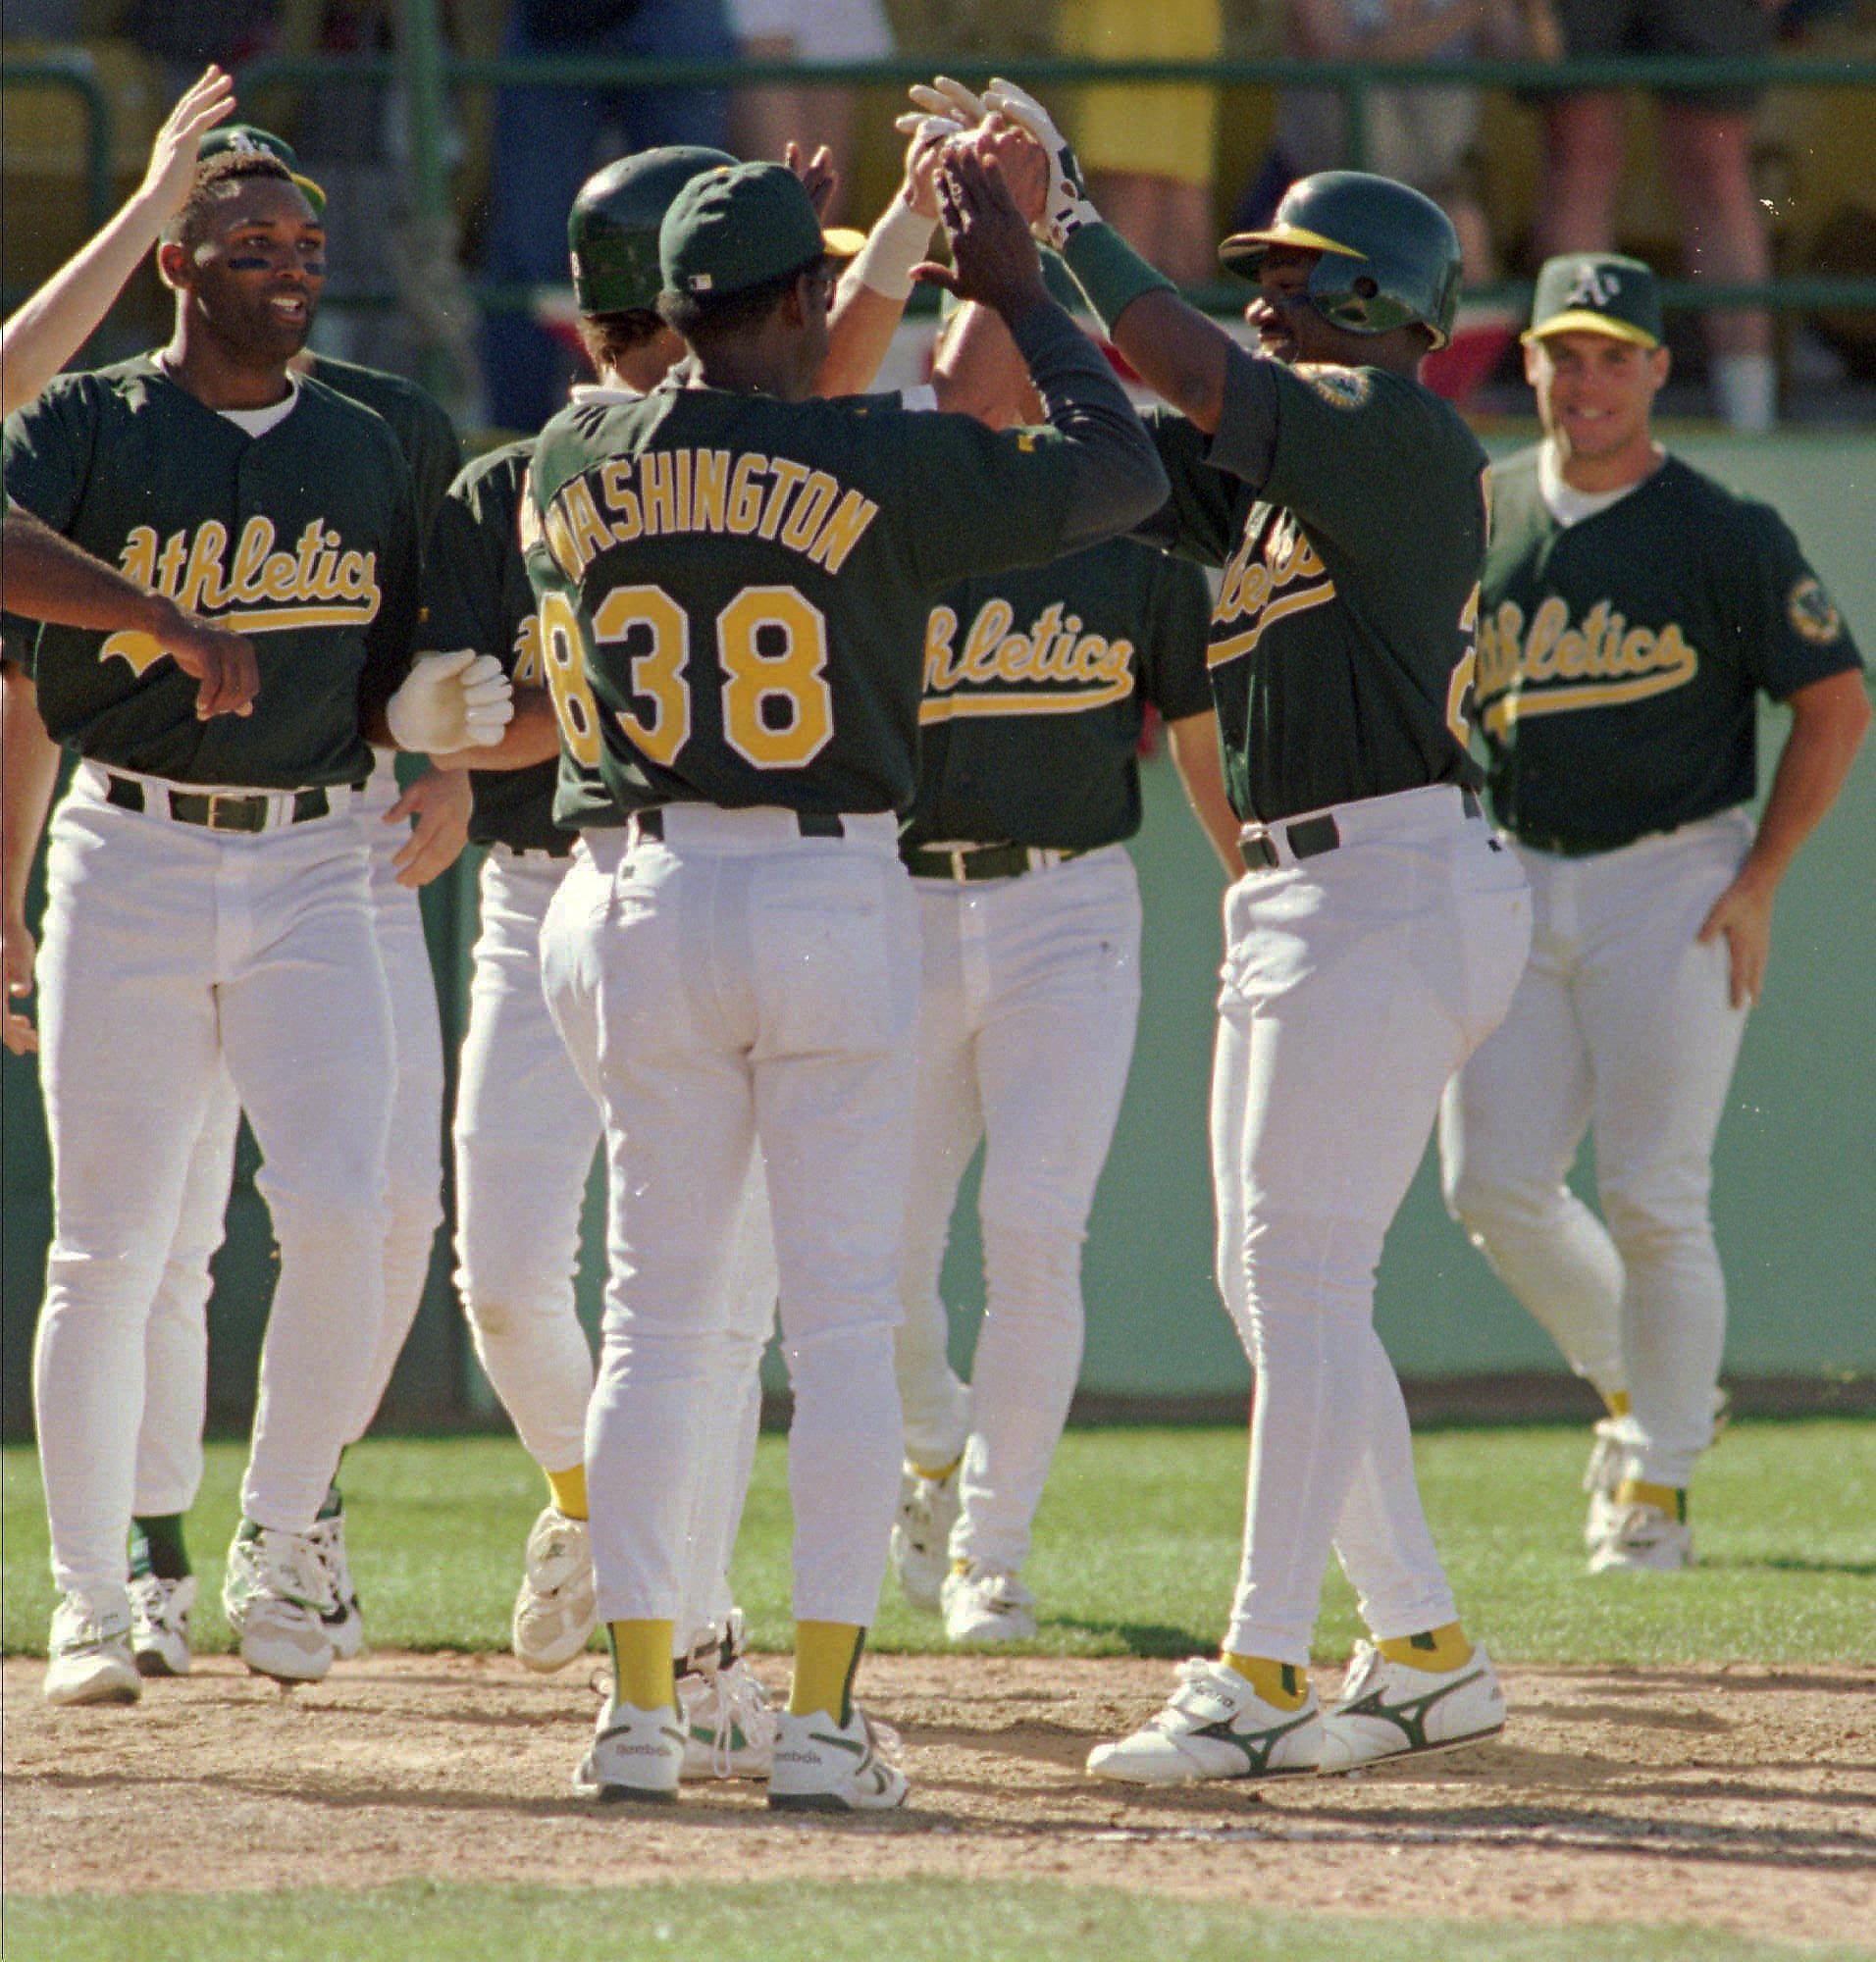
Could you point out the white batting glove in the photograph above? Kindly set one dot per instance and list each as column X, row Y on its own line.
column 1069, row 208
column 948, row 98
column 460, row 700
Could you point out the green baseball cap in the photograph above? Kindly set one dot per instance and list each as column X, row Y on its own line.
column 1596, row 292
column 244, row 139
column 739, row 225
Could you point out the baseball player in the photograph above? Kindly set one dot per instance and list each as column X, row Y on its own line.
column 733, row 584
column 515, row 1141
column 1373, row 939
column 208, row 886
column 1036, row 684
column 1634, row 611
column 168, row 1445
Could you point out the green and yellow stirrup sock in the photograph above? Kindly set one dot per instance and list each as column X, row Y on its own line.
column 641, row 1673
column 1436, row 1650
column 938, row 1476
column 1280, row 1685
column 1669, row 1499
column 568, row 1491
column 826, row 1655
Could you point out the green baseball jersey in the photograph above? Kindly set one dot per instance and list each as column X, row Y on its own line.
column 1352, row 536
column 420, row 423
column 477, row 594
column 734, row 588
column 1036, row 686
column 305, row 537
column 1620, row 657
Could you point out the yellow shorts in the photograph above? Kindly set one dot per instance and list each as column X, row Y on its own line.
column 1164, row 132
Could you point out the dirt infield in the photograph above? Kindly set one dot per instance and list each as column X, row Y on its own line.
column 1741, row 1798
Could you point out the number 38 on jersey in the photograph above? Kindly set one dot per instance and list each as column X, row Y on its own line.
column 771, row 662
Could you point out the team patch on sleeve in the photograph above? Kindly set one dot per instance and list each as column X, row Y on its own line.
column 1813, row 613
column 1340, row 387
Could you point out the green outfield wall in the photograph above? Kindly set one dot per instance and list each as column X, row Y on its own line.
column 1795, row 1218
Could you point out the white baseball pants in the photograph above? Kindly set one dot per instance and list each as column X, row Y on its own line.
column 169, row 1449
column 567, row 990
column 756, row 996
column 1355, row 982
column 1026, row 1016
column 526, row 1131
column 170, row 953
column 1623, row 1021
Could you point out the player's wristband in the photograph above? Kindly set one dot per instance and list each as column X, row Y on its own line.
column 893, row 247
column 1110, row 270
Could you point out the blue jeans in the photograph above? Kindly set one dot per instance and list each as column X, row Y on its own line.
column 544, row 148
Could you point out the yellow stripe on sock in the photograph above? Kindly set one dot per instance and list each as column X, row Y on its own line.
column 569, row 1492
column 642, row 1671
column 826, row 1655
column 1436, row 1650
column 1618, row 1401
column 1282, row 1684
column 943, row 1473
column 1669, row 1499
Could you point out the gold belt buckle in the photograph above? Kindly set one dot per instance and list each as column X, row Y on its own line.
column 216, row 799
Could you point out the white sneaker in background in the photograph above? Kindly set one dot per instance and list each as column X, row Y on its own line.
column 986, row 1603
column 555, row 1612
column 1642, row 1539
column 928, row 1509
column 160, row 1624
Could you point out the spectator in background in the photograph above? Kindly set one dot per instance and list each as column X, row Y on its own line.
column 764, row 121
column 1149, row 153
column 1706, row 154
column 547, row 143
column 1421, row 137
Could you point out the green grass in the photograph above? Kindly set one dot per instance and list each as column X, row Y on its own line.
column 805, row 1922
column 1136, row 1547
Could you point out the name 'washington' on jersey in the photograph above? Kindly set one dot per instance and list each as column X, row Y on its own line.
column 303, row 537
column 734, row 590
column 1342, row 642
column 1620, row 657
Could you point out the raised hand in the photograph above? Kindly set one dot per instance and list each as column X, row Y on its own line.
column 1068, row 207
column 171, row 172
column 945, row 97
column 817, row 174
column 930, row 135
column 993, row 255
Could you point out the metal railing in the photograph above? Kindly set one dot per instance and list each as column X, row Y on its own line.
column 77, row 72
column 431, row 72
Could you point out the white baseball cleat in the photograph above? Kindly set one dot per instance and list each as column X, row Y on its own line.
column 822, row 1766
column 729, row 1727
column 276, row 1595
column 1605, row 1471
column 1214, row 1726
column 88, row 1653
column 928, row 1509
column 1391, row 1710
column 1642, row 1539
column 555, row 1612
column 986, row 1603
column 160, row 1624
column 637, row 1756
column 343, row 1620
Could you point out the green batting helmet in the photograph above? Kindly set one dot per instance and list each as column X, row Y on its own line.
column 612, row 229
column 1390, row 255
